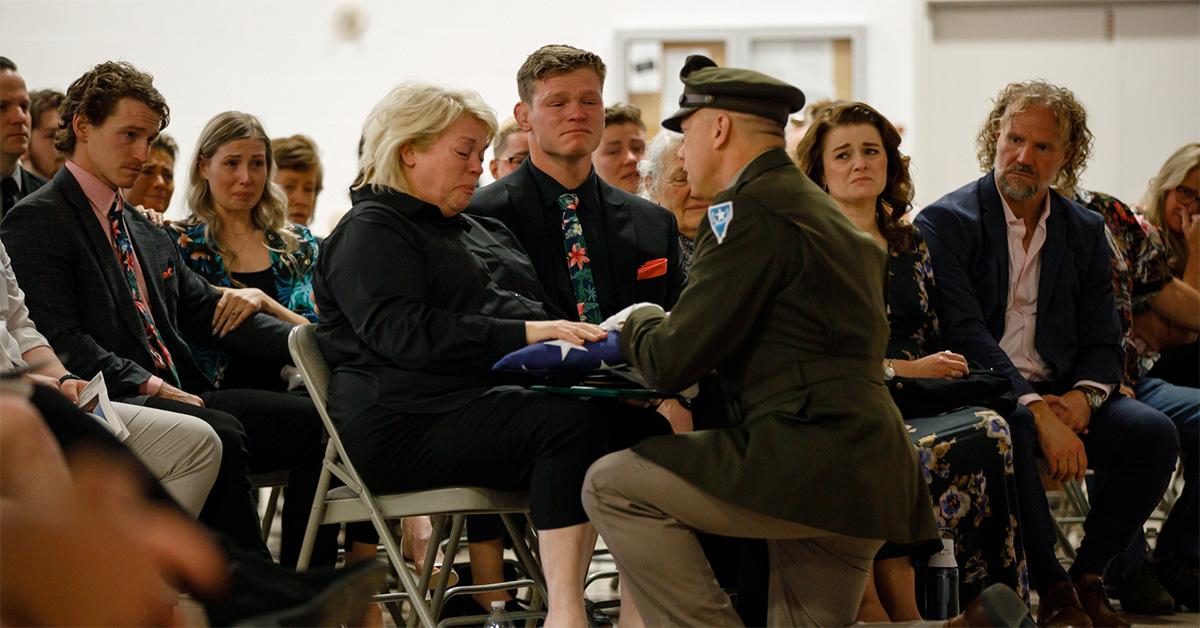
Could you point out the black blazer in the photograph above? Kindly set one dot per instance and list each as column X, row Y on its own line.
column 636, row 231
column 1078, row 332
column 78, row 297
column 29, row 184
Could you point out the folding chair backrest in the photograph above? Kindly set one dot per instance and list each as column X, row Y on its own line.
column 306, row 353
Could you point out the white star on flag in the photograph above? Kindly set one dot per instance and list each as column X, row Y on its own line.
column 565, row 346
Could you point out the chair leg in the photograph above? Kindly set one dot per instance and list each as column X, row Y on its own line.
column 269, row 514
column 317, row 513
column 525, row 555
column 408, row 585
column 443, row 577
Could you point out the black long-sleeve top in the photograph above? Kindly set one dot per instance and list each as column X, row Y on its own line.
column 415, row 307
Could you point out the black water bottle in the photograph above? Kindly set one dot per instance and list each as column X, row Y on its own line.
column 941, row 583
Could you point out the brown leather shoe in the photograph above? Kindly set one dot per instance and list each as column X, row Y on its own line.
column 1060, row 606
column 1094, row 599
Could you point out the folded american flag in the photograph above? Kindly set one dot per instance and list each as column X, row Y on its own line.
column 559, row 359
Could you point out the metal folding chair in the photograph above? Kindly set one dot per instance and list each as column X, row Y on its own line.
column 277, row 482
column 447, row 506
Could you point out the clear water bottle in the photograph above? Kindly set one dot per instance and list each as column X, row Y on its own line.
column 941, row 583
column 499, row 617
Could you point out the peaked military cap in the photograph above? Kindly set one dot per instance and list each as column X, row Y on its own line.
column 733, row 89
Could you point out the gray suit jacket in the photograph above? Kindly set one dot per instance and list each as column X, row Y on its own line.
column 79, row 299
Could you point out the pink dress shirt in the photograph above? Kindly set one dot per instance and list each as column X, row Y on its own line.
column 100, row 196
column 1020, row 319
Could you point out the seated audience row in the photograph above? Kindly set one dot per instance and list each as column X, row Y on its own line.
column 189, row 323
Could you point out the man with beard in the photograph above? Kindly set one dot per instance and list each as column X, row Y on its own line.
column 1025, row 289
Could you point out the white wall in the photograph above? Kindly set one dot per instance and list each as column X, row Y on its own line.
column 1137, row 75
column 280, row 59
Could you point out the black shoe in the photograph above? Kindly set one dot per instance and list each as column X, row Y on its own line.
column 1141, row 593
column 1181, row 578
column 265, row 594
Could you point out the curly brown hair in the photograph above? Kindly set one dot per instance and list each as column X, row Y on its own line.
column 95, row 95
column 1068, row 113
column 553, row 60
column 896, row 199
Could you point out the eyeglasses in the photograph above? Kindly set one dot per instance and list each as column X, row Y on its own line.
column 1185, row 195
column 517, row 159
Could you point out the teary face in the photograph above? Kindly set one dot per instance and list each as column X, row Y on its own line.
column 854, row 163
column 445, row 172
column 237, row 174
column 565, row 115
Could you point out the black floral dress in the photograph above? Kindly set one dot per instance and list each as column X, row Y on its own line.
column 967, row 459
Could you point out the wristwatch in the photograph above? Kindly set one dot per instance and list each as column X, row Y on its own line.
column 1094, row 396
column 69, row 376
column 888, row 372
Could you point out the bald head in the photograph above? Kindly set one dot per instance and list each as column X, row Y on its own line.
column 718, row 143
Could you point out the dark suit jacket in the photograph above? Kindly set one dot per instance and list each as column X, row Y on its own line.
column 1077, row 333
column 29, row 184
column 635, row 230
column 78, row 297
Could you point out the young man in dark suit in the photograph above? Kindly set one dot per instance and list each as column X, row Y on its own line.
column 597, row 249
column 15, row 124
column 1025, row 288
column 109, row 292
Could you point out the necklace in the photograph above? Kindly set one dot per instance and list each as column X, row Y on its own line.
column 245, row 241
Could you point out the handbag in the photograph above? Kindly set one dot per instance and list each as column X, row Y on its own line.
column 932, row 396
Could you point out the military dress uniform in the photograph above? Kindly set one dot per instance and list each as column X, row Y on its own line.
column 785, row 303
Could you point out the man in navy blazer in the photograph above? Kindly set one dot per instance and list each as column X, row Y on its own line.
column 632, row 253
column 1024, row 283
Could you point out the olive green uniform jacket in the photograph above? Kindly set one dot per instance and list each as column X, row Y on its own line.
column 789, row 311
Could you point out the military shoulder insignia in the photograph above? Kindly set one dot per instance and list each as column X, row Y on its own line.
column 719, row 217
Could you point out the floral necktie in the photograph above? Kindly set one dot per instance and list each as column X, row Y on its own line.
column 158, row 348
column 578, row 264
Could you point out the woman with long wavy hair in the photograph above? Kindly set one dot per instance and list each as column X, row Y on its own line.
column 238, row 238
column 853, row 152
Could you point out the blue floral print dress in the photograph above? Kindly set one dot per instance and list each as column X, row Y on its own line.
column 292, row 274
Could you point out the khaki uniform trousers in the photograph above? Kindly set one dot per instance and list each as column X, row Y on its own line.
column 648, row 516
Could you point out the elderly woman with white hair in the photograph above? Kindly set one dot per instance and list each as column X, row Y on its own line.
column 664, row 181
column 417, row 300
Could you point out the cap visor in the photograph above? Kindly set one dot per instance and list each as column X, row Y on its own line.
column 675, row 122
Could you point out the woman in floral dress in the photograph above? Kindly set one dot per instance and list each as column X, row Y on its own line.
column 238, row 238
column 853, row 153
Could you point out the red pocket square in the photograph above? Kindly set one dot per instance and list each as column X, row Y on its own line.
column 166, row 274
column 653, row 268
